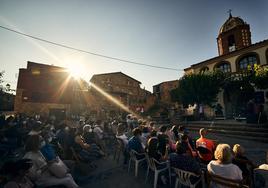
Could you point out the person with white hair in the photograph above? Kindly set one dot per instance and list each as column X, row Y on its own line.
column 223, row 166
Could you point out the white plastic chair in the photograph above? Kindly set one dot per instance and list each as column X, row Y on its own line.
column 133, row 157
column 152, row 165
column 183, row 178
column 120, row 147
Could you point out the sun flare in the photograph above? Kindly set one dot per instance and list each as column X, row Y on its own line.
column 76, row 70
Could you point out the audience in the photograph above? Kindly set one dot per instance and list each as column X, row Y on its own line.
column 39, row 140
column 88, row 152
column 121, row 134
column 41, row 172
column 163, row 139
column 245, row 165
column 223, row 166
column 181, row 160
column 145, row 135
column 17, row 174
column 153, row 150
column 135, row 144
column 187, row 146
column 205, row 147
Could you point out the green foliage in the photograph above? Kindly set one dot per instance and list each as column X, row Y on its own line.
column 260, row 76
column 1, row 81
column 201, row 88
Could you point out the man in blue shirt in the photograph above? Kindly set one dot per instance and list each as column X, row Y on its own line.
column 134, row 142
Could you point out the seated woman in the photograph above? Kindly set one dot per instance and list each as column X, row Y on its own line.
column 163, row 139
column 223, row 166
column 121, row 134
column 153, row 151
column 88, row 152
column 145, row 135
column 41, row 172
column 173, row 134
column 245, row 165
column 88, row 134
column 187, row 146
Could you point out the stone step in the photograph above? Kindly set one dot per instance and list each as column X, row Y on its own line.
column 230, row 128
column 256, row 136
column 226, row 123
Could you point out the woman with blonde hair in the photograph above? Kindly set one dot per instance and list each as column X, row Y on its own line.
column 245, row 165
column 223, row 166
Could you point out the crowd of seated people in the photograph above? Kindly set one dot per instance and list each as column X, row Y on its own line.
column 41, row 152
column 48, row 149
column 174, row 144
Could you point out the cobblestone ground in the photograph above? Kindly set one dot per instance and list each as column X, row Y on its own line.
column 110, row 174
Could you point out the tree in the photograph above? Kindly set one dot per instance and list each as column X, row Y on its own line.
column 201, row 88
column 1, row 81
column 259, row 77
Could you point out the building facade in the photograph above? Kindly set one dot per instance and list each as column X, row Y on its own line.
column 125, row 89
column 44, row 89
column 236, row 53
column 162, row 90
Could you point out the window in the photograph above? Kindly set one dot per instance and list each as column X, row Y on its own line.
column 36, row 96
column 204, row 69
column 231, row 43
column 224, row 67
column 247, row 61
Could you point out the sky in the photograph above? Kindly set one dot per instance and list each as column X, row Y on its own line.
column 167, row 33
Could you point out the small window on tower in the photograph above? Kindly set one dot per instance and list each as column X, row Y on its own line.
column 231, row 43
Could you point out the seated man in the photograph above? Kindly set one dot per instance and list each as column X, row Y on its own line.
column 181, row 160
column 134, row 142
column 202, row 145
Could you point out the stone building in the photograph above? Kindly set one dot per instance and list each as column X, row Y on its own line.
column 44, row 89
column 124, row 89
column 162, row 90
column 236, row 53
column 167, row 108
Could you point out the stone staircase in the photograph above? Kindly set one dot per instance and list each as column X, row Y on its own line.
column 232, row 129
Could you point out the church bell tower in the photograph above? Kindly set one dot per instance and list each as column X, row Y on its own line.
column 234, row 34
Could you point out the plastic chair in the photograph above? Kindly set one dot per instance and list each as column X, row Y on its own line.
column 183, row 178
column 224, row 181
column 119, row 149
column 133, row 157
column 260, row 177
column 152, row 165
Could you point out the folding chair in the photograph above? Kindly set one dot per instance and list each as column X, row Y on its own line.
column 152, row 165
column 120, row 147
column 133, row 157
column 213, row 178
column 183, row 178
